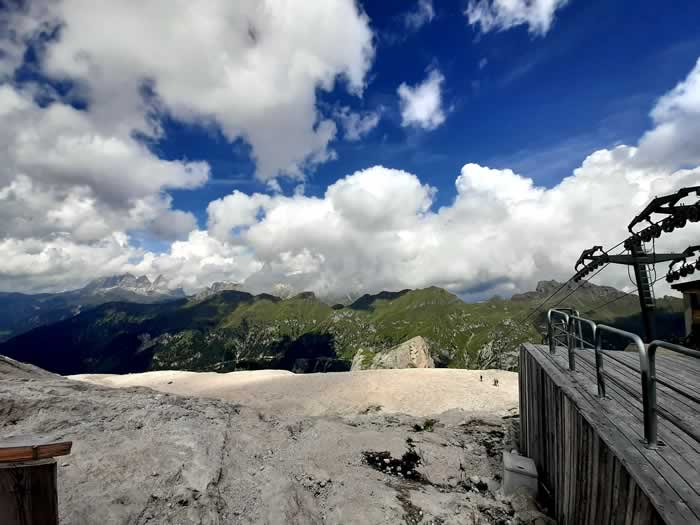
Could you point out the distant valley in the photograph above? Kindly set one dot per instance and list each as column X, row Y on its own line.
column 122, row 325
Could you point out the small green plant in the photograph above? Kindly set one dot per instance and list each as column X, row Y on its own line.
column 427, row 426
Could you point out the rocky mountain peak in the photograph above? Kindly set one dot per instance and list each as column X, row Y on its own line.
column 128, row 282
column 217, row 287
column 584, row 291
column 309, row 296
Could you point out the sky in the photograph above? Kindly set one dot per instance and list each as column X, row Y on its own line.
column 338, row 146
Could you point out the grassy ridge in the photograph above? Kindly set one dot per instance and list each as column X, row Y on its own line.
column 235, row 330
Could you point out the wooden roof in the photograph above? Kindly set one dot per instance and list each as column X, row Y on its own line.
column 27, row 448
column 689, row 286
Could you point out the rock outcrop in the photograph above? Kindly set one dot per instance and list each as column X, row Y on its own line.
column 129, row 284
column 215, row 288
column 148, row 458
column 414, row 353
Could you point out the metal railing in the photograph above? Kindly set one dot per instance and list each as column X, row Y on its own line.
column 599, row 372
column 565, row 329
column 649, row 384
column 556, row 330
column 575, row 330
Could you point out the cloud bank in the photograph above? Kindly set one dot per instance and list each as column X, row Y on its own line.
column 79, row 189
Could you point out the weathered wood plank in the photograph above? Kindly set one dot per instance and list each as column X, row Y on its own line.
column 668, row 402
column 677, row 489
column 623, row 477
column 683, row 370
column 680, row 391
column 670, row 463
column 671, row 473
column 681, row 362
column 26, row 448
column 28, row 493
column 670, row 410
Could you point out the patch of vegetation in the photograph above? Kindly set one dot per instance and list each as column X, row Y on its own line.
column 427, row 426
column 475, row 486
column 412, row 514
column 404, row 467
column 488, row 435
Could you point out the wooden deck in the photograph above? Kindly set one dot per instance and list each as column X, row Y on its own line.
column 590, row 453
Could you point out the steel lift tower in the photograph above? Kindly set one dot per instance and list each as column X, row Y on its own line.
column 677, row 215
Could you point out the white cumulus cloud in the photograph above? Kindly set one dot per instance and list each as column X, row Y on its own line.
column 250, row 67
column 498, row 15
column 675, row 140
column 356, row 124
column 422, row 14
column 75, row 185
column 421, row 105
column 61, row 174
column 376, row 229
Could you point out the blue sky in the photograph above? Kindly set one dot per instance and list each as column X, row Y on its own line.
column 539, row 105
column 338, row 146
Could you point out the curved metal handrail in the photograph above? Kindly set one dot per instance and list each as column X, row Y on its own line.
column 599, row 370
column 550, row 329
column 647, row 360
column 648, row 370
column 649, row 384
column 571, row 347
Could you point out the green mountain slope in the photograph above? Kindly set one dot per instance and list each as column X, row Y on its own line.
column 234, row 330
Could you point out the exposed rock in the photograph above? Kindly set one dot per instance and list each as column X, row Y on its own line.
column 217, row 287
column 145, row 457
column 584, row 291
column 128, row 283
column 414, row 353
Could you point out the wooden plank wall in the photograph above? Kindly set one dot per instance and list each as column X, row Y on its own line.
column 587, row 482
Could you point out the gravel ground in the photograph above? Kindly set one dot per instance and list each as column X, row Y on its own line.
column 262, row 454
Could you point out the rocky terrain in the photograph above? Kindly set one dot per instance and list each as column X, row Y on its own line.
column 216, row 288
column 414, row 353
column 145, row 456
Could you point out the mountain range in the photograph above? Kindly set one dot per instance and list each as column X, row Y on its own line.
column 20, row 312
column 229, row 329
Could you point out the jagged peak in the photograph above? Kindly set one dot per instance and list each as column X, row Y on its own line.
column 111, row 281
column 218, row 287
column 309, row 296
column 128, row 282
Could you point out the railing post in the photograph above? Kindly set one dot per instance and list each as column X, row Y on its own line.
column 551, row 329
column 575, row 327
column 550, row 332
column 648, row 370
column 647, row 361
column 599, row 372
column 647, row 364
column 571, row 344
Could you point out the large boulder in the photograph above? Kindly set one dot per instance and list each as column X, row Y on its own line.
column 414, row 353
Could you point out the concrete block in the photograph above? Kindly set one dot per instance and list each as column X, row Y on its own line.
column 519, row 474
